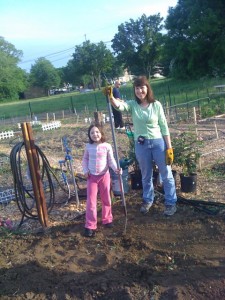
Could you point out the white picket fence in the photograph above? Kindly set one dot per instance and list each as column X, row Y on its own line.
column 7, row 195
column 6, row 134
column 48, row 126
column 52, row 125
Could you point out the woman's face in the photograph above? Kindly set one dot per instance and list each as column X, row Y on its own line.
column 95, row 134
column 141, row 92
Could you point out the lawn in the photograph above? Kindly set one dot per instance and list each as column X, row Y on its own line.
column 166, row 90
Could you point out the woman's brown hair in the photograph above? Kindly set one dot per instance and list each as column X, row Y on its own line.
column 103, row 139
column 141, row 81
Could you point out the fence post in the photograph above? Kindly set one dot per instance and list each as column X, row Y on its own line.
column 168, row 112
column 217, row 136
column 98, row 118
column 96, row 102
column 72, row 106
column 31, row 114
column 187, row 110
column 195, row 121
column 169, row 95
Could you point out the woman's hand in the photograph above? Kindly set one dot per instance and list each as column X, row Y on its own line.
column 169, row 156
column 108, row 91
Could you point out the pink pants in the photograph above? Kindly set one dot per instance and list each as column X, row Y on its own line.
column 95, row 183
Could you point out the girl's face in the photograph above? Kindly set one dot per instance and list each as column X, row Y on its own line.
column 95, row 135
column 141, row 92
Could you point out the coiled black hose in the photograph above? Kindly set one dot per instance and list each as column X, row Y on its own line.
column 22, row 183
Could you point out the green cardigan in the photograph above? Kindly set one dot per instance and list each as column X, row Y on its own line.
column 149, row 122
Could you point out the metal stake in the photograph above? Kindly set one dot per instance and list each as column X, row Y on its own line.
column 117, row 161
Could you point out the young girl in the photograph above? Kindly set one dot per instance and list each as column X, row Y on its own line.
column 97, row 158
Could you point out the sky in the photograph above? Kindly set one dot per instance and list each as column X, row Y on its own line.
column 52, row 28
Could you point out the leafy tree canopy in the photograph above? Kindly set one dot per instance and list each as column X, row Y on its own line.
column 196, row 38
column 138, row 43
column 92, row 60
column 10, row 50
column 43, row 74
column 13, row 80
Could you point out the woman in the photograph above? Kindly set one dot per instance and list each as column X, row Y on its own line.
column 152, row 142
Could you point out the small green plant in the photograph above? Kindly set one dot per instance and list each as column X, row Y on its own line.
column 214, row 107
column 186, row 152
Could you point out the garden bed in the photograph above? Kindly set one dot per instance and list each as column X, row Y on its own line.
column 179, row 257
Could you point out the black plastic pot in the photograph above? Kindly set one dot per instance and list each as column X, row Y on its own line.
column 136, row 180
column 155, row 177
column 188, row 183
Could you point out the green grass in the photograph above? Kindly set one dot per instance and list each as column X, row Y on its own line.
column 79, row 102
column 216, row 170
column 166, row 90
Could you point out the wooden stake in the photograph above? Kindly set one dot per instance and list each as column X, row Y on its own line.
column 195, row 121
column 35, row 174
column 217, row 136
column 98, row 118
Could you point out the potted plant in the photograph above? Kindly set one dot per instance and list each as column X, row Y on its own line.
column 186, row 155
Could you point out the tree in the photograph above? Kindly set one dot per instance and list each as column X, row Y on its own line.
column 138, row 43
column 196, row 38
column 44, row 75
column 10, row 50
column 73, row 73
column 13, row 80
column 91, row 59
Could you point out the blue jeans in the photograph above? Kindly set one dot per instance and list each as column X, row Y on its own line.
column 153, row 151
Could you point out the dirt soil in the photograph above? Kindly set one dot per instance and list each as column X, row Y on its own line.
column 157, row 258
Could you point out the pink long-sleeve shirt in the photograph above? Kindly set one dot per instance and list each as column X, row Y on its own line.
column 98, row 158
